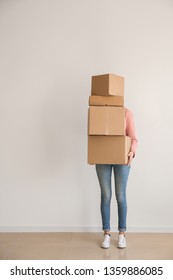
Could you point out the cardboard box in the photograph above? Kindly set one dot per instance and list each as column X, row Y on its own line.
column 108, row 149
column 97, row 100
column 106, row 120
column 107, row 84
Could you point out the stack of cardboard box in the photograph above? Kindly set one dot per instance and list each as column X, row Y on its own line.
column 107, row 143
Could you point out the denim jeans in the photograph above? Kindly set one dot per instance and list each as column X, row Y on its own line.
column 121, row 172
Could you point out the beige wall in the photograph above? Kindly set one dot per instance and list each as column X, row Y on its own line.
column 49, row 50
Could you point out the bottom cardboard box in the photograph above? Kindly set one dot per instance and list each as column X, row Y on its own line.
column 108, row 149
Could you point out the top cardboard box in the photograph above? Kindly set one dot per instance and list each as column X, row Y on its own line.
column 107, row 84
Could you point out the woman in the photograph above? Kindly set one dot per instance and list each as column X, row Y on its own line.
column 121, row 173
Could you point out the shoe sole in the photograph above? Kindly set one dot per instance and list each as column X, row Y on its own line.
column 121, row 247
column 104, row 247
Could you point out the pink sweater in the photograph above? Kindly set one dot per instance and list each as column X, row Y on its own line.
column 130, row 129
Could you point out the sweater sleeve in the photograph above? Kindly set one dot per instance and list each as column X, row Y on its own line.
column 130, row 130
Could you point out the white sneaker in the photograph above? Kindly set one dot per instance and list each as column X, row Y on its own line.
column 106, row 241
column 121, row 241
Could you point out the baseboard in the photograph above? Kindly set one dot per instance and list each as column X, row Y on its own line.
column 159, row 229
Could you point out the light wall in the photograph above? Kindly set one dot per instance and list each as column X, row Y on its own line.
column 49, row 50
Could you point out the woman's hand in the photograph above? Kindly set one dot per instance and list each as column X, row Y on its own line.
column 130, row 157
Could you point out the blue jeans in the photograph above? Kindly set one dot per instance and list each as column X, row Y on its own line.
column 121, row 172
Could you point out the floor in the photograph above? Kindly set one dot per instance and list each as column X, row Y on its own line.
column 84, row 246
